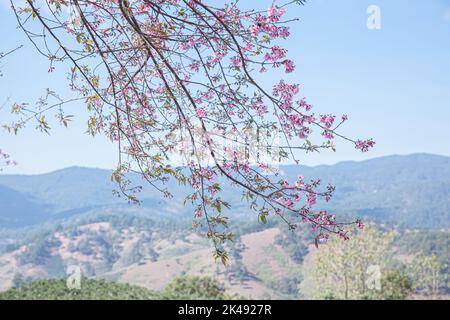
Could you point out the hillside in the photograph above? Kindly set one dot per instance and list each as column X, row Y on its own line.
column 265, row 261
column 149, row 254
column 409, row 191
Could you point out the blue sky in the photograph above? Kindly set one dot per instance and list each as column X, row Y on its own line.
column 394, row 83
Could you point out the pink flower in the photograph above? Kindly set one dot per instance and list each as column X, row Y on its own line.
column 360, row 224
column 198, row 213
column 261, row 110
column 235, row 61
column 274, row 14
column 263, row 166
column 145, row 8
column 288, row 203
column 283, row 32
column 276, row 53
column 272, row 11
column 311, row 199
column 303, row 104
column 201, row 113
column 327, row 120
column 255, row 30
column 289, row 66
column 299, row 183
column 364, row 145
column 344, row 235
column 194, row 66
column 327, row 135
column 246, row 169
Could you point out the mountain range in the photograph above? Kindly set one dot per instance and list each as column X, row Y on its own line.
column 410, row 191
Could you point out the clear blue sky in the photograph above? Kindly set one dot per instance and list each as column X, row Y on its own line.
column 394, row 83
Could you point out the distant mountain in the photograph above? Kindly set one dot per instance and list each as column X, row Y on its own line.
column 410, row 191
column 69, row 192
column 66, row 189
column 17, row 208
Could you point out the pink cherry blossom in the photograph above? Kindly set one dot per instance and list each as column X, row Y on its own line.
column 289, row 66
column 364, row 145
column 201, row 113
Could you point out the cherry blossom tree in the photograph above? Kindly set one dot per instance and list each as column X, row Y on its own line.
column 5, row 159
column 179, row 79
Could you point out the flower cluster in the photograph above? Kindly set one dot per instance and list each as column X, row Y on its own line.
column 364, row 145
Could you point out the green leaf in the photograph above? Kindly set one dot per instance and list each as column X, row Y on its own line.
column 263, row 218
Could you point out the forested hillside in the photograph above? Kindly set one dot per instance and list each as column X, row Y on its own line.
column 267, row 261
column 188, row 288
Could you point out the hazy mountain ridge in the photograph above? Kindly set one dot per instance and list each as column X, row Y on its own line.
column 411, row 191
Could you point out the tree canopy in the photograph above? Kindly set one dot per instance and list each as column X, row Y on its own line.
column 181, row 288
